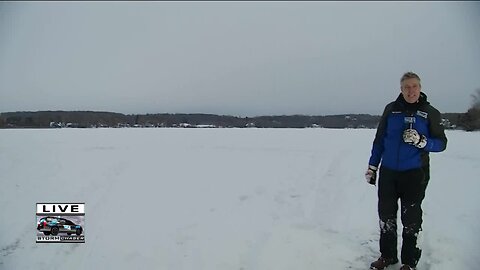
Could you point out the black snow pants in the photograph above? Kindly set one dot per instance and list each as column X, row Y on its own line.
column 408, row 186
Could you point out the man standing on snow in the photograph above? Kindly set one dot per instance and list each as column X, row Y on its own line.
column 409, row 129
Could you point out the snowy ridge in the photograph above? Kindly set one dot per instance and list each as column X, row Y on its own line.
column 221, row 199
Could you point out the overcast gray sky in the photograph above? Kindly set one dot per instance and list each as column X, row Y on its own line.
column 235, row 58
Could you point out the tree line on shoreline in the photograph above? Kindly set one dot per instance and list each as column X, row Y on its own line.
column 92, row 119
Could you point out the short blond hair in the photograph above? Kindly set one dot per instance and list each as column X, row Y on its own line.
column 410, row 75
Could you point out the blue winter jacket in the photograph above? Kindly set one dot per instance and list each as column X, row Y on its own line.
column 391, row 151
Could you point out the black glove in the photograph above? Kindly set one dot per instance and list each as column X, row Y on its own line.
column 412, row 137
column 371, row 175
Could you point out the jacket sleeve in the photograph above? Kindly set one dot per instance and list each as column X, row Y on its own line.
column 378, row 143
column 437, row 141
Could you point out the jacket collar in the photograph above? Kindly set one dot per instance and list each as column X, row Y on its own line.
column 401, row 104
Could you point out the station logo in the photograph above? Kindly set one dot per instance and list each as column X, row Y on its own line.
column 60, row 222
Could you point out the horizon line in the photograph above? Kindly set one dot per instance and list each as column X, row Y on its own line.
column 199, row 113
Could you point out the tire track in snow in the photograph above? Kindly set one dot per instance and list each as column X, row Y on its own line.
column 327, row 193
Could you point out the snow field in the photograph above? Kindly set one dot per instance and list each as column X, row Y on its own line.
column 223, row 199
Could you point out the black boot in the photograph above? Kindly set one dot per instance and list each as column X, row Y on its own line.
column 382, row 262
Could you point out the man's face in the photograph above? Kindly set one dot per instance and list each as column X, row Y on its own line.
column 411, row 90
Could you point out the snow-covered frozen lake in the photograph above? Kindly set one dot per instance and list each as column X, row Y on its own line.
column 224, row 199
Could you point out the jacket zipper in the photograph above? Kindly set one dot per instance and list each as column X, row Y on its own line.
column 400, row 142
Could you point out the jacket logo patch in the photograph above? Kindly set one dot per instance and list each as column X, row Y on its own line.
column 409, row 119
column 422, row 114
